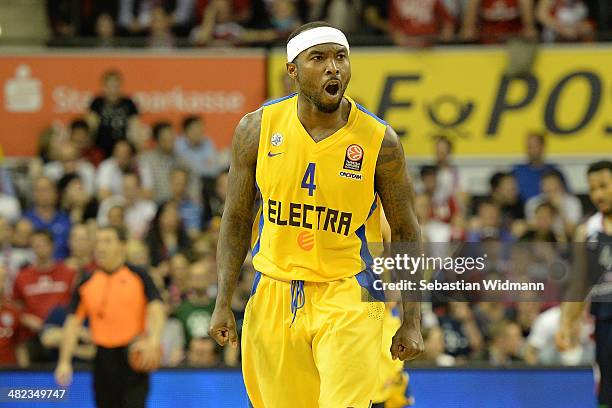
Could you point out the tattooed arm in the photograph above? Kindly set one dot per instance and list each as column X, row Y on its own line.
column 234, row 236
column 395, row 189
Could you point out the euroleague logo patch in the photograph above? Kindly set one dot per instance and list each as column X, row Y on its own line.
column 353, row 158
column 305, row 240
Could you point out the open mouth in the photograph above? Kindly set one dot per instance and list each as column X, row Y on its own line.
column 332, row 88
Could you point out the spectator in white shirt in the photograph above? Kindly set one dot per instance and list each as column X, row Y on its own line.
column 9, row 207
column 198, row 152
column 138, row 212
column 431, row 229
column 70, row 163
column 9, row 204
column 158, row 163
column 568, row 206
column 111, row 170
column 541, row 348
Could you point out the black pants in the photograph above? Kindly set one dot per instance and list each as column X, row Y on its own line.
column 116, row 385
column 603, row 352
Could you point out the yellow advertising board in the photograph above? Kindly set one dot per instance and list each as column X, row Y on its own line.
column 464, row 94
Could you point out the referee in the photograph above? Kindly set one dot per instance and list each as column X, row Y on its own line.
column 121, row 303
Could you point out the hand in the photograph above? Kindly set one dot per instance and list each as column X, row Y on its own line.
column 32, row 322
column 150, row 352
column 63, row 374
column 567, row 336
column 223, row 326
column 407, row 344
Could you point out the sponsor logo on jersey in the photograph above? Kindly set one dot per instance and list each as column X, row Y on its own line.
column 353, row 158
column 306, row 240
column 312, row 217
column 276, row 139
column 351, row 176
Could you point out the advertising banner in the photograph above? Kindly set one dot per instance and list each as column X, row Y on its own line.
column 39, row 89
column 463, row 93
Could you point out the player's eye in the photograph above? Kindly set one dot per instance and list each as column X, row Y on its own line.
column 317, row 58
column 340, row 56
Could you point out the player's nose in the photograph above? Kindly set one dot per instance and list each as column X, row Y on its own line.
column 332, row 67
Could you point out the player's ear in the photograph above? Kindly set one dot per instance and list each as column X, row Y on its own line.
column 292, row 70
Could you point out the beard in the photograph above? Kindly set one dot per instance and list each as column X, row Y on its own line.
column 327, row 108
column 322, row 106
column 316, row 98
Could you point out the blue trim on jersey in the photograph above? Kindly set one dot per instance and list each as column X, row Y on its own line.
column 260, row 227
column 366, row 280
column 273, row 101
column 256, row 280
column 365, row 251
column 374, row 205
column 361, row 108
column 367, row 277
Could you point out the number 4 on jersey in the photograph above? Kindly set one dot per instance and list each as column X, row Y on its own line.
column 308, row 181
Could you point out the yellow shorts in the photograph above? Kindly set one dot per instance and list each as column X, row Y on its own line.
column 328, row 357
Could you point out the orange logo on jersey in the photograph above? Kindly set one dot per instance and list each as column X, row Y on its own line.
column 354, row 152
column 306, row 240
column 353, row 158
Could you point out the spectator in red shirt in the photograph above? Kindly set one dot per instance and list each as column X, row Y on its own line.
column 9, row 328
column 496, row 20
column 219, row 25
column 443, row 207
column 418, row 22
column 81, row 136
column 42, row 286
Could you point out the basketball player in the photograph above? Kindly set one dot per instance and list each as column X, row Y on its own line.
column 323, row 167
column 596, row 233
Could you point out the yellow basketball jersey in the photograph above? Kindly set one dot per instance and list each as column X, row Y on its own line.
column 319, row 208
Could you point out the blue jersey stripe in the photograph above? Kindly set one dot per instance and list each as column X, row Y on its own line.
column 361, row 233
column 256, row 279
column 260, row 226
column 361, row 108
column 273, row 101
column 367, row 277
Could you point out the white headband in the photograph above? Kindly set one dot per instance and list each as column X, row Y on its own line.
column 312, row 37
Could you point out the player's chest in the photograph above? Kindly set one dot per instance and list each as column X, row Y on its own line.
column 336, row 163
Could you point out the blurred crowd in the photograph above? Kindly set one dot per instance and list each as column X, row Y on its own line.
column 168, row 189
column 170, row 23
